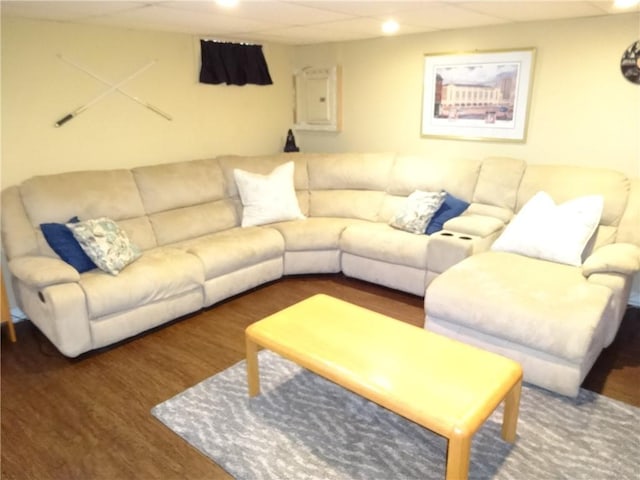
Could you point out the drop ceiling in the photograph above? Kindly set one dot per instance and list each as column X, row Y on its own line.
column 302, row 22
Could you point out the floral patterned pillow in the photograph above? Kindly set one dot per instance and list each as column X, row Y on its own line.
column 417, row 211
column 105, row 243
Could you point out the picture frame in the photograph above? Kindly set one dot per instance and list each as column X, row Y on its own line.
column 481, row 95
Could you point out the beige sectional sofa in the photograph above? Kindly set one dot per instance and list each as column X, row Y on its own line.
column 553, row 318
column 186, row 218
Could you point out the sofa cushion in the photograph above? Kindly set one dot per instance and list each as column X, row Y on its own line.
column 359, row 204
column 566, row 182
column 161, row 273
column 415, row 172
column 105, row 243
column 628, row 230
column 140, row 231
column 267, row 198
column 547, row 306
column 235, row 249
column 200, row 181
column 380, row 241
column 349, row 171
column 91, row 194
column 181, row 224
column 417, row 211
column 314, row 233
column 62, row 241
column 558, row 233
column 498, row 182
column 348, row 185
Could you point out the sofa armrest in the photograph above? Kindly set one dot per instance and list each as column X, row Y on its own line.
column 623, row 258
column 445, row 249
column 462, row 237
column 476, row 225
column 41, row 272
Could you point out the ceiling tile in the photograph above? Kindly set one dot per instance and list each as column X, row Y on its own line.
column 315, row 34
column 278, row 12
column 369, row 26
column 179, row 20
column 363, row 8
column 305, row 21
column 444, row 16
column 63, row 10
column 536, row 10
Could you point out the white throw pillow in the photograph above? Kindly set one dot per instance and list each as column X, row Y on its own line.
column 268, row 198
column 105, row 243
column 558, row 233
column 417, row 211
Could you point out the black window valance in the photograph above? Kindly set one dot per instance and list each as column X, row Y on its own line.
column 233, row 64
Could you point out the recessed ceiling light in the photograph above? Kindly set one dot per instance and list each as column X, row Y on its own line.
column 390, row 27
column 626, row 3
column 227, row 3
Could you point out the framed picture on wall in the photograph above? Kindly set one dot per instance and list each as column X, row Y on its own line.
column 478, row 95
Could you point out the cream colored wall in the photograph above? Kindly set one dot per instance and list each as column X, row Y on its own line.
column 208, row 120
column 582, row 110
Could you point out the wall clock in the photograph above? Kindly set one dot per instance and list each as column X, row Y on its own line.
column 630, row 63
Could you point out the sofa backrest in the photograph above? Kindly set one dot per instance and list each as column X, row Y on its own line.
column 350, row 185
column 19, row 236
column 422, row 172
column 264, row 165
column 497, row 188
column 629, row 226
column 58, row 198
column 565, row 182
column 170, row 203
column 184, row 200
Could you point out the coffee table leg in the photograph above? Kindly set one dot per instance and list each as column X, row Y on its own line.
column 253, row 376
column 511, row 408
column 458, row 454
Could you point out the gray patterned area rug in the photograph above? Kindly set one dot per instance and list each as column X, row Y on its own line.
column 305, row 427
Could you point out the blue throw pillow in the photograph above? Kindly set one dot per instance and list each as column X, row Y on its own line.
column 62, row 241
column 451, row 207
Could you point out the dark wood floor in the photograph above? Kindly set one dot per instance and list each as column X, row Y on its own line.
column 88, row 418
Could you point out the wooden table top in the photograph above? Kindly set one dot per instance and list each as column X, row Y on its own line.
column 437, row 382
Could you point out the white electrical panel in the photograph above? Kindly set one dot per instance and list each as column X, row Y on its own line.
column 317, row 99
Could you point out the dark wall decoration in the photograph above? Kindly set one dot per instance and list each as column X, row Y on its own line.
column 630, row 63
column 233, row 64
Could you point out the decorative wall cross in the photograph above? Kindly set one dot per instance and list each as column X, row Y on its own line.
column 113, row 87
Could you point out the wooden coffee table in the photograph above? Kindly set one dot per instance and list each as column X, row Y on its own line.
column 443, row 385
